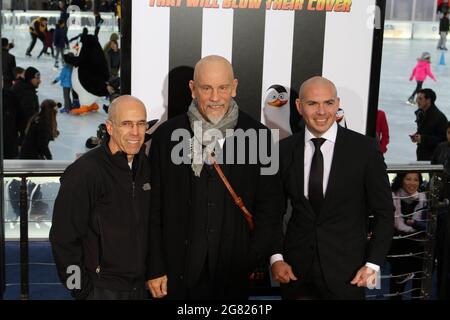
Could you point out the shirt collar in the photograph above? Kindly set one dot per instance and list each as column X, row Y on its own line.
column 329, row 135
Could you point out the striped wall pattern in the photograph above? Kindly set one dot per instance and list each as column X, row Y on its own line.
column 266, row 48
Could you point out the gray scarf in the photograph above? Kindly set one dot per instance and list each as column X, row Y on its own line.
column 207, row 133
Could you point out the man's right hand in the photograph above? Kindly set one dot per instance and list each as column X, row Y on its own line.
column 158, row 287
column 413, row 137
column 282, row 272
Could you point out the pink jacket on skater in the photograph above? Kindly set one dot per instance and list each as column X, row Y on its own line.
column 421, row 71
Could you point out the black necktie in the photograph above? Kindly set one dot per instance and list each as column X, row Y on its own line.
column 315, row 184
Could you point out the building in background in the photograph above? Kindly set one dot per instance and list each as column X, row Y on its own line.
column 411, row 10
column 43, row 4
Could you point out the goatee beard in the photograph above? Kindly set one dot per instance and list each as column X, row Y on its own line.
column 215, row 120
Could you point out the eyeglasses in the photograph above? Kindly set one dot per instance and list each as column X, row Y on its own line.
column 141, row 125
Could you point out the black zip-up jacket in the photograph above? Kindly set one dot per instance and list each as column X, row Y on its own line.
column 36, row 140
column 100, row 221
column 28, row 104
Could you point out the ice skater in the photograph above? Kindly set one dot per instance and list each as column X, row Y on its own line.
column 420, row 73
column 444, row 26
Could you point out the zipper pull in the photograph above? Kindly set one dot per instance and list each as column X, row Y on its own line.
column 97, row 270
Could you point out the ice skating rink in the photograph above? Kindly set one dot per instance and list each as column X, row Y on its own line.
column 74, row 130
column 399, row 58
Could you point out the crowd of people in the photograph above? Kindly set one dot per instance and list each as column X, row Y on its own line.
column 84, row 5
column 21, row 106
column 432, row 140
column 116, row 219
column 209, row 268
column 29, row 125
column 205, row 245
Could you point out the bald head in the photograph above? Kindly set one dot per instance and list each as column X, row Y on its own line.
column 122, row 102
column 318, row 103
column 212, row 62
column 315, row 82
column 126, row 125
column 213, row 87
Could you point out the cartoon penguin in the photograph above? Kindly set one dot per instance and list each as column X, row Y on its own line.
column 90, row 74
column 340, row 118
column 276, row 110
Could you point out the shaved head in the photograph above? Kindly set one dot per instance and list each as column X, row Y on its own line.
column 122, row 102
column 211, row 61
column 318, row 103
column 126, row 125
column 213, row 87
column 313, row 82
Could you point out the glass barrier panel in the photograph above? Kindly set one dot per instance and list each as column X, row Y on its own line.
column 42, row 192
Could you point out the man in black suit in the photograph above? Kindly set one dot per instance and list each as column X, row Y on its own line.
column 201, row 246
column 334, row 178
column 431, row 125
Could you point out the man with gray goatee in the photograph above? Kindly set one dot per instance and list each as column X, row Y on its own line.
column 203, row 245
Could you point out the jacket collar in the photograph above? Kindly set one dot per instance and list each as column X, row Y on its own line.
column 338, row 159
column 330, row 134
column 120, row 158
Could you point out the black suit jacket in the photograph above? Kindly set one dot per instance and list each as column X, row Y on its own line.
column 358, row 186
column 171, row 194
column 432, row 126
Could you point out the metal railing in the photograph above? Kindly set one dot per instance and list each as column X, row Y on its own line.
column 434, row 204
column 25, row 169
column 19, row 19
column 43, row 168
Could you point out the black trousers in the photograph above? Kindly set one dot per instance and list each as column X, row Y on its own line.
column 44, row 50
column 309, row 286
column 443, row 254
column 203, row 288
column 418, row 87
column 67, row 100
column 138, row 293
column 33, row 42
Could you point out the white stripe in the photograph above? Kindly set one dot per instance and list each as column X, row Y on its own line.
column 217, row 33
column 277, row 65
column 150, row 57
column 347, row 60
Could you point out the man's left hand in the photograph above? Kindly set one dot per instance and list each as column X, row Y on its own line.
column 365, row 277
column 418, row 138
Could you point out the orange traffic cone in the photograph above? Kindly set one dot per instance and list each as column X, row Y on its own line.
column 442, row 59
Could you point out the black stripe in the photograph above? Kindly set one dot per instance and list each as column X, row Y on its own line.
column 248, row 58
column 375, row 71
column 125, row 48
column 2, row 228
column 185, row 49
column 307, row 54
